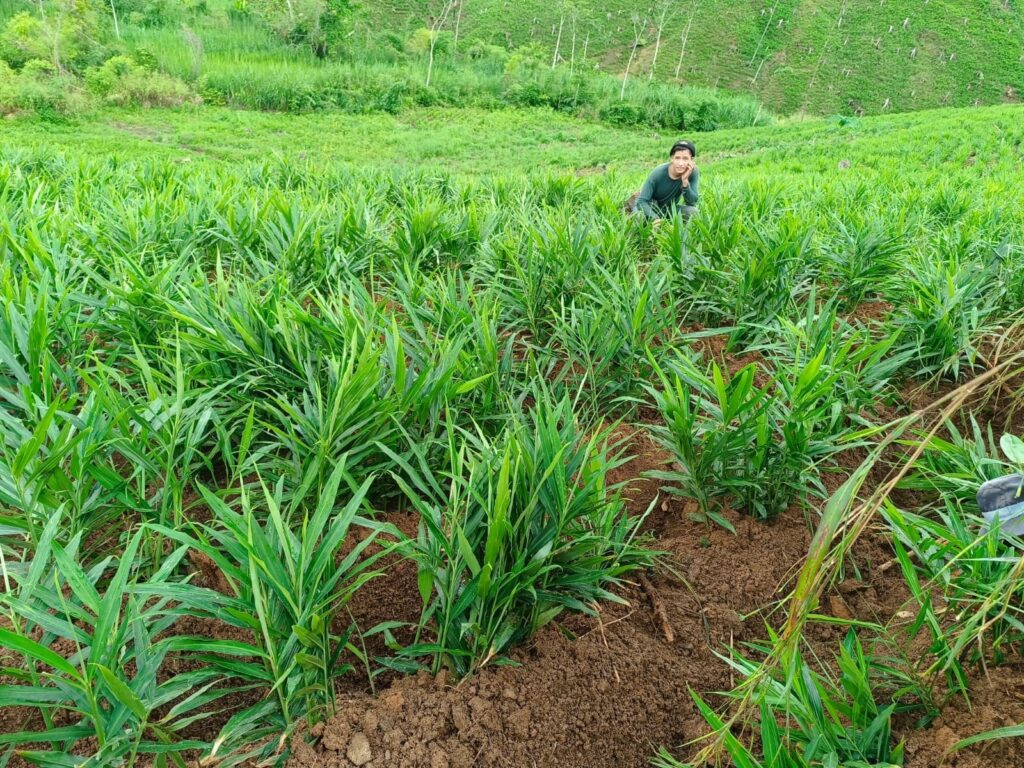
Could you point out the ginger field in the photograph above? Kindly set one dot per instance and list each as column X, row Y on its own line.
column 387, row 440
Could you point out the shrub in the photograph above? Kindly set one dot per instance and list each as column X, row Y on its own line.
column 528, row 94
column 146, row 59
column 37, row 88
column 7, row 89
column 420, row 40
column 22, row 40
column 150, row 13
column 68, row 37
column 525, row 59
column 623, row 113
column 150, row 89
column 101, row 80
column 122, row 82
column 319, row 24
column 492, row 54
column 392, row 99
column 394, row 41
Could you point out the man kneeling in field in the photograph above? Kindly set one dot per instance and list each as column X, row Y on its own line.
column 672, row 186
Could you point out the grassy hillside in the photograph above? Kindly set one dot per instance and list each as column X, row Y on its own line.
column 823, row 57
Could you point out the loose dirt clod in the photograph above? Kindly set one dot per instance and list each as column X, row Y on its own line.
column 359, row 752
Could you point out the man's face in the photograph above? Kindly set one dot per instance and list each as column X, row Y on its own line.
column 681, row 160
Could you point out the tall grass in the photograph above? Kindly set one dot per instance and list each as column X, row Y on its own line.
column 812, row 718
column 93, row 657
column 287, row 581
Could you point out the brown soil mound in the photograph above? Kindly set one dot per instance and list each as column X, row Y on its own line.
column 580, row 702
column 998, row 701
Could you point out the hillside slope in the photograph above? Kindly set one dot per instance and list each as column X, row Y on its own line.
column 818, row 56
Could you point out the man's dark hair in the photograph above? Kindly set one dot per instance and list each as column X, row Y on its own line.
column 683, row 145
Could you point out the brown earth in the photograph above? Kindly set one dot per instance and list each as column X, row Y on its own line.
column 998, row 701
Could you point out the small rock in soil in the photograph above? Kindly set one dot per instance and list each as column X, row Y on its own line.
column 393, row 701
column 850, row 586
column 479, row 707
column 945, row 737
column 370, row 722
column 519, row 722
column 438, row 758
column 359, row 750
column 460, row 717
column 838, row 608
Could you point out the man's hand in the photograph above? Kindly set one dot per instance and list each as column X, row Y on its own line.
column 685, row 178
column 656, row 223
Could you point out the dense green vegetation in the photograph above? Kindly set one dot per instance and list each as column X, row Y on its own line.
column 58, row 60
column 243, row 359
column 920, row 147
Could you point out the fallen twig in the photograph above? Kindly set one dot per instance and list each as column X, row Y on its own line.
column 659, row 609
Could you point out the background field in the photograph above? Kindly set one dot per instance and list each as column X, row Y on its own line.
column 482, row 142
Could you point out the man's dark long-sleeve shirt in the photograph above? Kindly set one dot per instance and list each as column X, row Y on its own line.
column 661, row 193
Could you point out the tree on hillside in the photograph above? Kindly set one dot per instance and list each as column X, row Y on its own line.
column 558, row 40
column 458, row 22
column 685, row 38
column 657, row 43
column 573, row 19
column 65, row 35
column 639, row 26
column 437, row 23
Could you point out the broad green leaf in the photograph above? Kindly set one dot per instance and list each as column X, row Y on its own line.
column 123, row 693
column 467, row 551
column 38, row 652
column 53, row 759
column 65, row 733
column 1013, row 447
column 425, row 582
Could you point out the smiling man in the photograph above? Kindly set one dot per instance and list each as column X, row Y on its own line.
column 672, row 186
